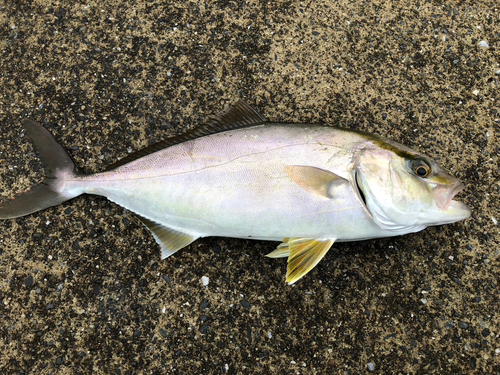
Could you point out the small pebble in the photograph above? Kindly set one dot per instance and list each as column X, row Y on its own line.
column 371, row 366
column 28, row 281
column 463, row 325
column 204, row 304
column 205, row 280
column 483, row 44
column 204, row 329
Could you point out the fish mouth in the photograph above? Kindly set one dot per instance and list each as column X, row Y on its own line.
column 456, row 207
column 456, row 211
column 457, row 189
column 450, row 210
column 444, row 194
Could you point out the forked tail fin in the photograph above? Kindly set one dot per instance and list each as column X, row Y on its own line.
column 58, row 167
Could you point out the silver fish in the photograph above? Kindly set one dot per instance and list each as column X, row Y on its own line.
column 241, row 176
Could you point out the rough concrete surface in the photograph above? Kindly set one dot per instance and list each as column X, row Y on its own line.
column 82, row 286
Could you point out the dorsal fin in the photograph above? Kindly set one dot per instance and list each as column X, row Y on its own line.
column 238, row 115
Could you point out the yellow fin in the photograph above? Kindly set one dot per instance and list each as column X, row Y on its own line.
column 314, row 180
column 282, row 251
column 305, row 253
column 170, row 240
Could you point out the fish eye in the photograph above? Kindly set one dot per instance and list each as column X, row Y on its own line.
column 420, row 168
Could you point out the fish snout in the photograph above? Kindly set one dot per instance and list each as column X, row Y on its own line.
column 444, row 193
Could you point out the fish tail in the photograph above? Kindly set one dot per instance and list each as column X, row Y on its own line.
column 58, row 169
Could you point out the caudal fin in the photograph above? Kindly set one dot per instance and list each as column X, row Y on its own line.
column 50, row 192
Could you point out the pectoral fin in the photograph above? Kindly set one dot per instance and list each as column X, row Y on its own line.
column 314, row 180
column 303, row 255
column 169, row 239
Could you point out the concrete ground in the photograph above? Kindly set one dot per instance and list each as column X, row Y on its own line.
column 82, row 286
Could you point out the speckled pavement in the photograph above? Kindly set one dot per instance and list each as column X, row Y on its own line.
column 82, row 286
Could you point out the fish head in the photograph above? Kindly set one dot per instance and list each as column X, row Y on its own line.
column 406, row 191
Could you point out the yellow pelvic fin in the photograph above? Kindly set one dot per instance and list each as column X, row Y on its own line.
column 282, row 251
column 304, row 254
column 314, row 180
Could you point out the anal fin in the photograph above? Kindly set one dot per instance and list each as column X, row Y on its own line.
column 170, row 240
column 303, row 255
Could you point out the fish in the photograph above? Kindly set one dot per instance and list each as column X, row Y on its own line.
column 307, row 186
